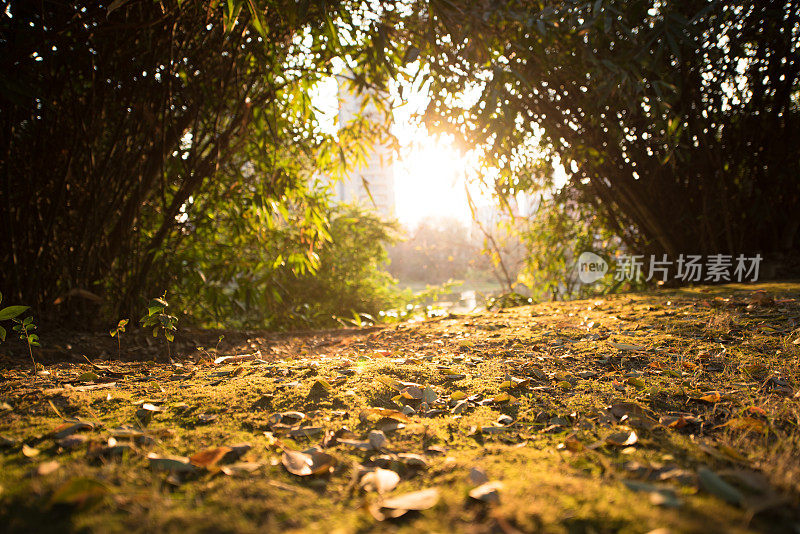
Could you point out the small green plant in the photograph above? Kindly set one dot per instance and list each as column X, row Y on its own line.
column 25, row 327
column 9, row 312
column 159, row 320
column 117, row 332
column 22, row 326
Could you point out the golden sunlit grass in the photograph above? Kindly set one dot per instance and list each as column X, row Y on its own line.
column 559, row 389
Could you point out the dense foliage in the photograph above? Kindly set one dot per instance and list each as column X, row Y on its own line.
column 236, row 279
column 135, row 129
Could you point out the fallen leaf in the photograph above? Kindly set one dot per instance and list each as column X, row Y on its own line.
column 636, row 382
column 88, row 376
column 505, row 419
column 671, row 421
column 631, row 409
column 411, row 393
column 236, row 358
column 412, row 460
column 710, row 397
column 30, row 452
column 383, row 412
column 622, row 439
column 458, row 395
column 208, row 458
column 380, row 480
column 303, row 464
column 67, row 429
column 459, row 407
column 5, row 442
column 487, row 492
column 501, row 398
column 389, row 381
column 150, row 407
column 747, row 424
column 399, row 505
column 319, row 389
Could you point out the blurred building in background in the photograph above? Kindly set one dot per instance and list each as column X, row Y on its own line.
column 372, row 183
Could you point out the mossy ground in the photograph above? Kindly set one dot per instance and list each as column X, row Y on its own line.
column 705, row 378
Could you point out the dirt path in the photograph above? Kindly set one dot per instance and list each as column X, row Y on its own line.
column 671, row 410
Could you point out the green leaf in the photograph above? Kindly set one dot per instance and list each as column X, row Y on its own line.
column 2, row 334
column 88, row 377
column 255, row 19
column 11, row 312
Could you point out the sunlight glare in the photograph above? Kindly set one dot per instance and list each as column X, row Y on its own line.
column 429, row 181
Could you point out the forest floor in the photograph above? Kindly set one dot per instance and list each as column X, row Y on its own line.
column 672, row 410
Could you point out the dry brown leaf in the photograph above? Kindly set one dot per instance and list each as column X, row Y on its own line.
column 208, row 458
column 69, row 428
column 711, row 397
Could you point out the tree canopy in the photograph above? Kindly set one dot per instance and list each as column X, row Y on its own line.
column 675, row 120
